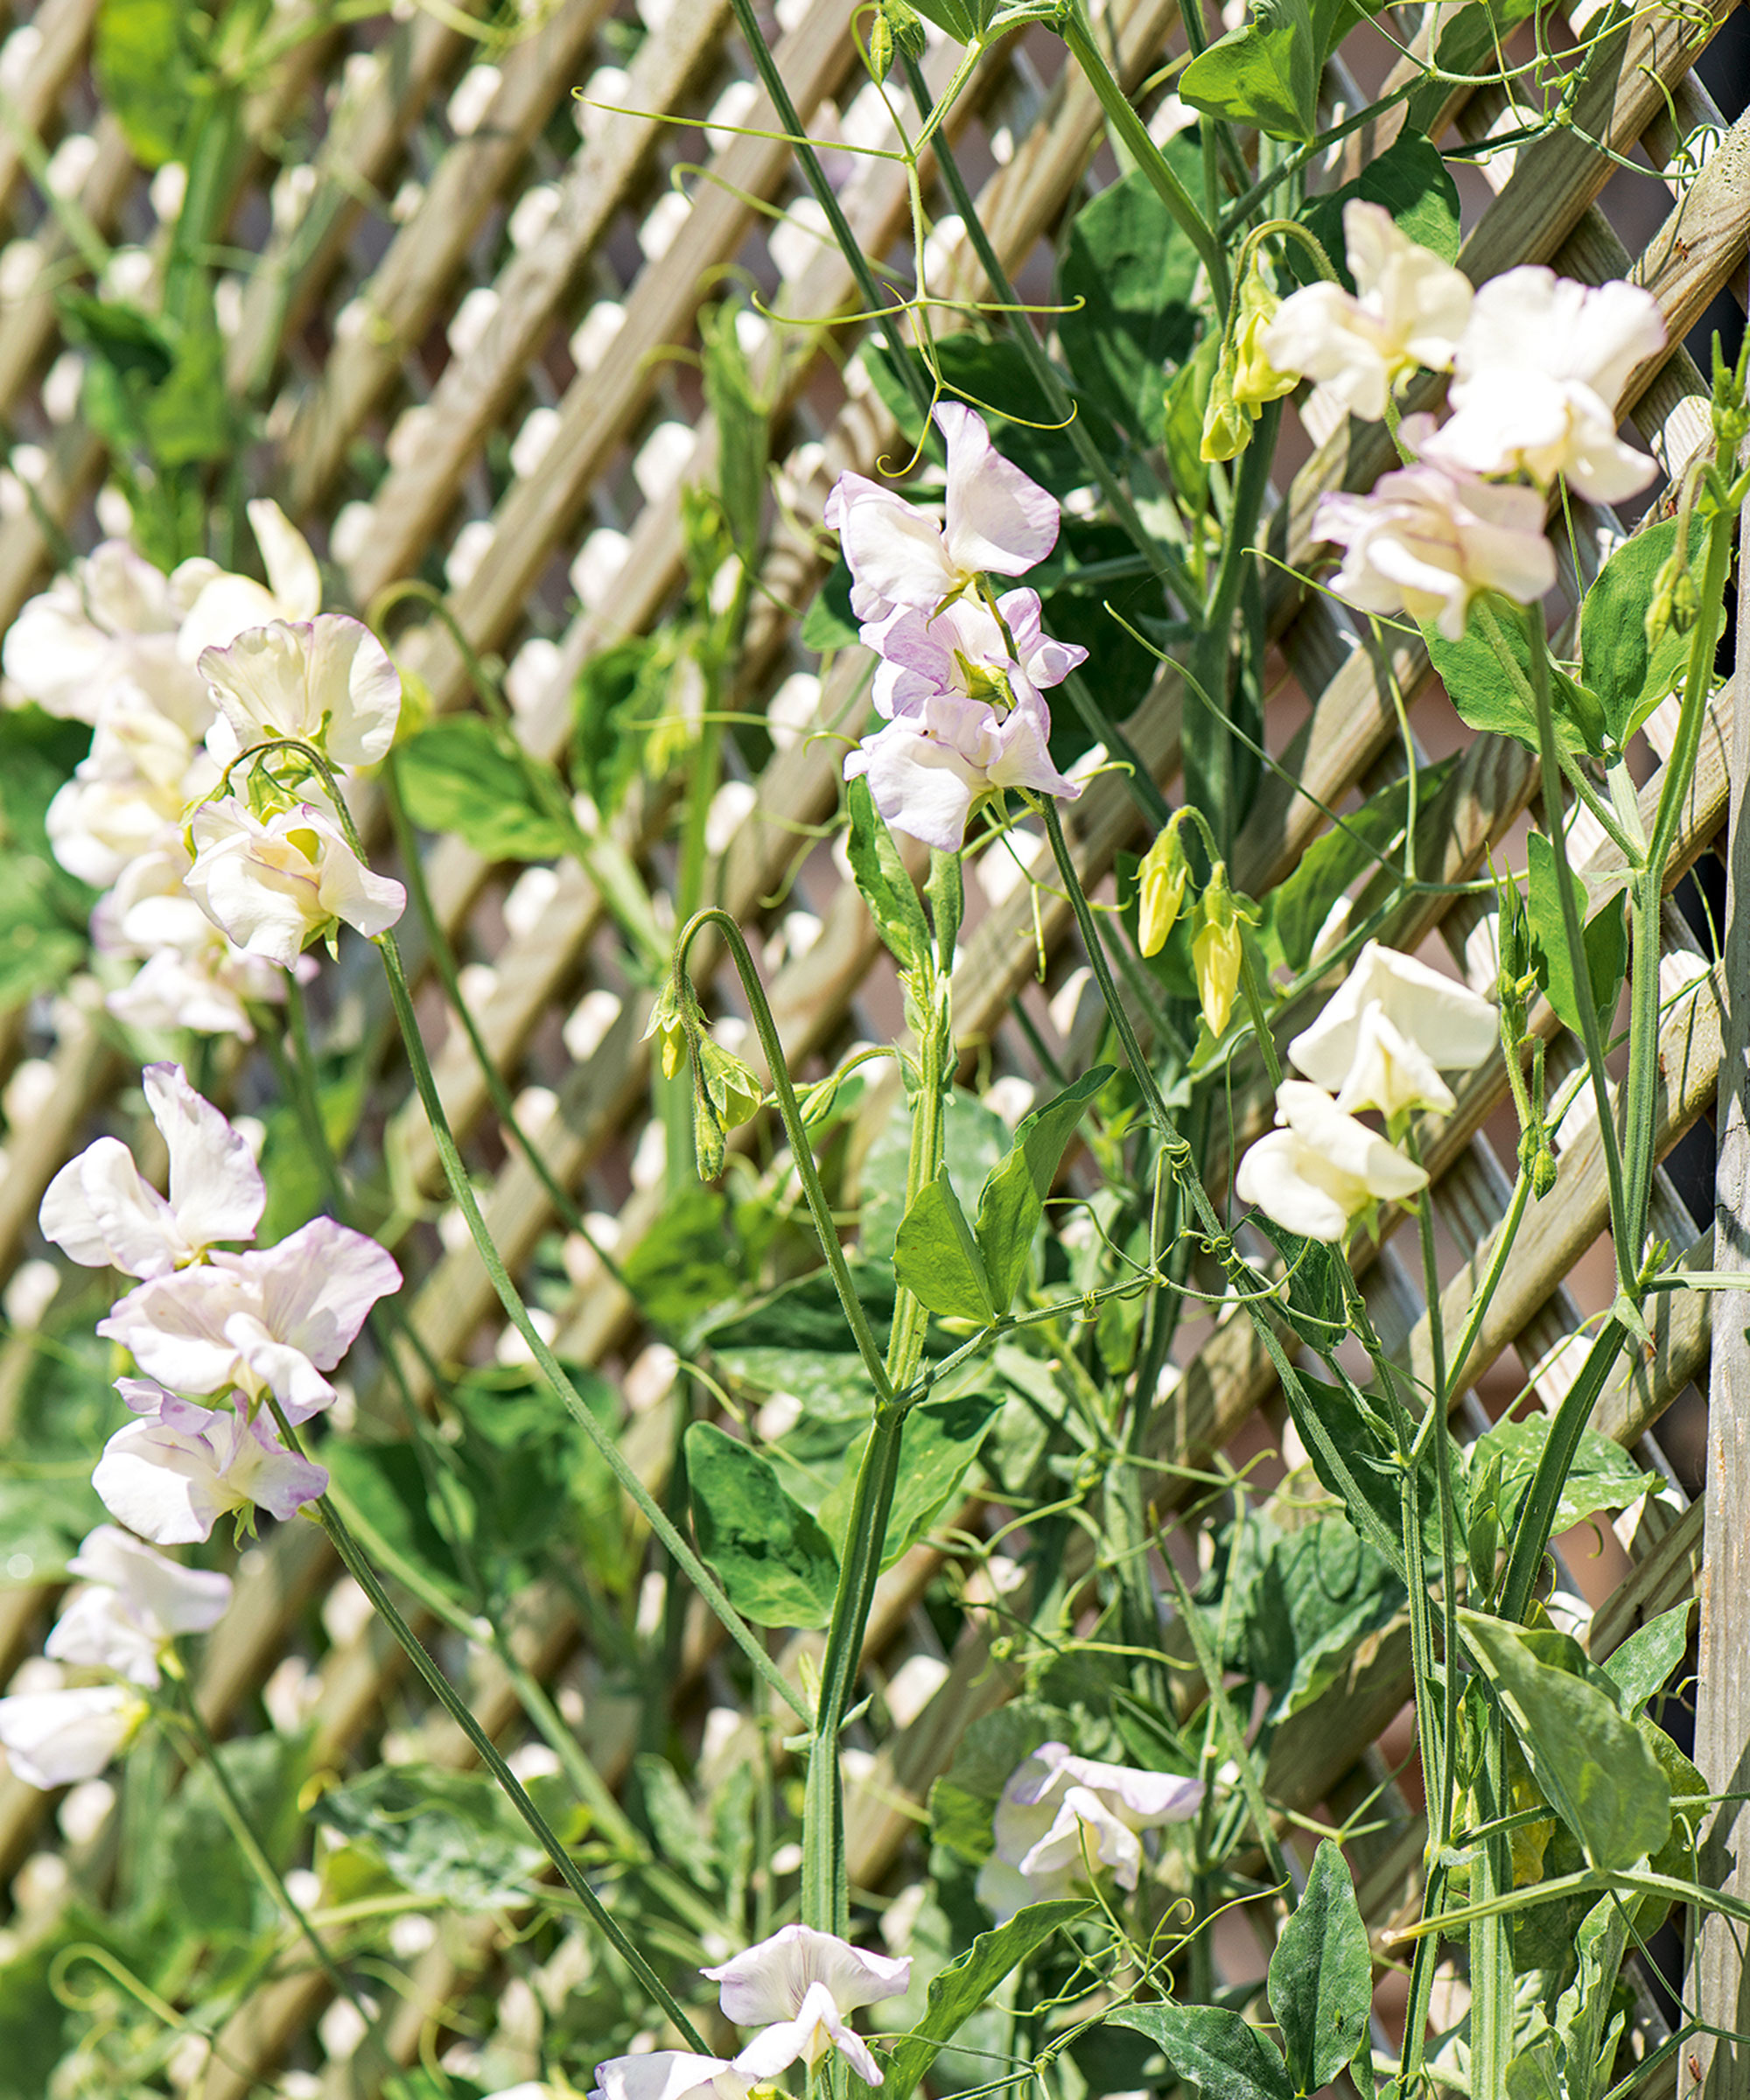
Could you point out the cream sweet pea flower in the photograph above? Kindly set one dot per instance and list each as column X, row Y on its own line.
column 99, row 1210
column 1383, row 1042
column 173, row 1474
column 665, row 2075
column 56, row 1739
column 799, row 1986
column 1410, row 311
column 132, row 1603
column 274, row 885
column 108, row 623
column 1061, row 1816
column 327, row 682
column 227, row 603
column 272, row 1320
column 1430, row 537
column 996, row 520
column 1538, row 373
column 1323, row 1169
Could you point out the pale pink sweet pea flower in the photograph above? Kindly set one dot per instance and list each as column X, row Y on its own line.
column 798, row 1987
column 963, row 650
column 1430, row 537
column 1323, row 1168
column 270, row 887
column 173, row 1474
column 1060, row 1815
column 56, row 1739
column 1383, row 1042
column 227, row 603
column 1411, row 311
column 996, row 520
column 326, row 682
column 99, row 1210
column 270, row 1320
column 1538, row 373
column 132, row 1604
column 665, row 2075
column 110, row 621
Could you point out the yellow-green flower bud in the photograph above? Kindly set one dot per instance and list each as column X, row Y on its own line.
column 1255, row 380
column 1161, row 883
column 1227, row 427
column 1675, row 603
column 1217, row 951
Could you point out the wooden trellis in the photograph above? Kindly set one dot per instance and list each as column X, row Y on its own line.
column 459, row 336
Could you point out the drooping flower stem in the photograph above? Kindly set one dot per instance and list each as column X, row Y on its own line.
column 359, row 1567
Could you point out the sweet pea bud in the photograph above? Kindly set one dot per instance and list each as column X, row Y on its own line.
column 1227, row 427
column 1254, row 379
column 895, row 28
column 725, row 1095
column 670, row 1031
column 1675, row 603
column 1161, row 882
column 1217, row 950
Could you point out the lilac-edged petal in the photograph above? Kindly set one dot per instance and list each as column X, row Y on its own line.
column 317, row 1285
column 276, row 1366
column 174, row 1328
column 273, row 1478
column 161, row 1484
column 101, row 1212
column 668, row 2074
column 1024, row 759
column 216, row 1189
column 817, row 2029
column 922, row 785
column 1147, row 1798
column 56, row 1739
column 997, row 518
column 895, row 554
column 1085, row 1830
column 770, row 1980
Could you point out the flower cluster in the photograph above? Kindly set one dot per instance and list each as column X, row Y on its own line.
column 1537, row 363
column 112, row 1634
column 1061, row 1818
column 177, row 675
column 229, row 1328
column 1380, row 1044
column 799, row 1989
column 963, row 671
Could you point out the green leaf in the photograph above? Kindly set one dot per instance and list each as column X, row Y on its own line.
column 1629, row 678
column 1295, row 911
column 1490, row 697
column 1134, row 270
column 387, row 1485
column 1321, row 1975
column 1641, row 1667
column 1470, row 39
column 773, row 1558
column 42, row 1522
column 742, row 426
column 966, row 1984
column 1265, row 73
column 1593, row 1766
column 1535, row 2072
column 1012, row 1201
column 1213, row 2049
column 451, row 1835
column 148, row 61
column 188, row 419
column 938, row 1440
column 964, row 20
column 617, row 691
column 1606, row 938
column 963, row 1800
column 456, row 776
column 688, row 1264
column 1410, row 181
column 880, row 875
column 190, row 1874
column 830, row 623
column 1186, row 404
column 936, row 1257
column 1603, row 1475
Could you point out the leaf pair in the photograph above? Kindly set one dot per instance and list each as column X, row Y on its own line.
column 967, row 1273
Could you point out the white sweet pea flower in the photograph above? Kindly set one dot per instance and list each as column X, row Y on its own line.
column 1538, row 373
column 127, row 797
column 102, row 1212
column 272, row 885
column 1323, row 1169
column 666, row 2075
column 1062, row 1815
column 996, row 520
column 56, row 1739
column 227, row 603
column 1411, row 311
column 172, row 1474
column 132, row 1603
column 110, row 621
column 799, row 1986
column 1383, row 1040
column 1430, row 538
column 270, row 1320
column 327, row 682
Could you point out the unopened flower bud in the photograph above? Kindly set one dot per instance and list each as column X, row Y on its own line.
column 1675, row 603
column 1254, row 379
column 727, row 1094
column 1161, row 883
column 1217, row 950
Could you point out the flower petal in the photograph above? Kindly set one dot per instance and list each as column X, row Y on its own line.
column 997, row 518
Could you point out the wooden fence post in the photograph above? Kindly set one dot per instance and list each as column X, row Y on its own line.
column 1721, row 2068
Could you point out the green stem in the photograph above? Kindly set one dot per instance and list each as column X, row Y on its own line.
column 1627, row 1249
column 1254, row 1007
column 1073, row 25
column 1491, row 1947
column 1480, row 1303
column 458, row 1710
